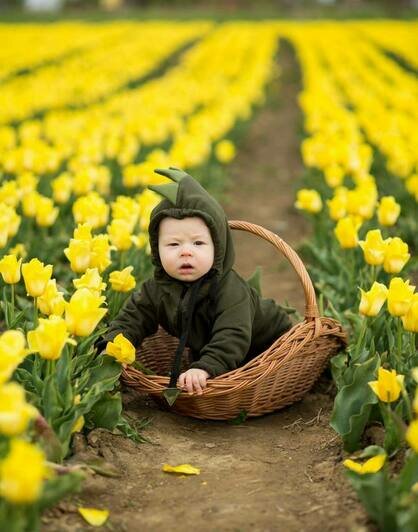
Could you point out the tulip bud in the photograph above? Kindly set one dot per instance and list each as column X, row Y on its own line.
column 388, row 211
column 49, row 338
column 373, row 300
column 308, row 200
column 373, row 247
column 36, row 277
column 121, row 349
column 346, row 232
column 410, row 318
column 399, row 296
column 122, row 281
column 388, row 385
column 10, row 269
column 396, row 255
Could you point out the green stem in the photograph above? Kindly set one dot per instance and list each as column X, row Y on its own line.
column 399, row 338
column 412, row 344
column 12, row 289
column 360, row 337
column 122, row 259
column 35, row 312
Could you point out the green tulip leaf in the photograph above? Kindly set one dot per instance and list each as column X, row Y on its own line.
column 106, row 412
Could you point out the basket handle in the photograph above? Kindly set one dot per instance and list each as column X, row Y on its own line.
column 311, row 307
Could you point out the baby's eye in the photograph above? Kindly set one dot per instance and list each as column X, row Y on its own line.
column 173, row 244
column 199, row 243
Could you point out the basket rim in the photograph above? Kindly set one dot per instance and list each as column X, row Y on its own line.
column 311, row 307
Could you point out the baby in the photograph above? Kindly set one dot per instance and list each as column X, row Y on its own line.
column 195, row 294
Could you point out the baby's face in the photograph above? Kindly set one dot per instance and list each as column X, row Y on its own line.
column 186, row 248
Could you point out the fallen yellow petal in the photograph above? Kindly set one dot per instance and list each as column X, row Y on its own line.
column 184, row 469
column 93, row 516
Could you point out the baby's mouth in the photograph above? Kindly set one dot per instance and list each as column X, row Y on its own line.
column 186, row 267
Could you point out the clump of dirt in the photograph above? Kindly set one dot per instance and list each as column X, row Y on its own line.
column 281, row 471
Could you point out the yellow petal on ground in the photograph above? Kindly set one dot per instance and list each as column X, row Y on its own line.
column 183, row 469
column 93, row 516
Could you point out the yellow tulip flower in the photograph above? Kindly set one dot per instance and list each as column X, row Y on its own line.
column 78, row 425
column 372, row 465
column 46, row 213
column 100, row 252
column 50, row 337
column 19, row 250
column 83, row 312
column 82, row 232
column 52, row 300
column 334, row 175
column 122, row 281
column 91, row 280
column 412, row 435
column 396, row 255
column 62, row 188
column 12, row 351
column 337, row 207
column 374, row 247
column 22, row 472
column 372, row 301
column 10, row 269
column 346, row 232
column 121, row 349
column 36, row 276
column 308, row 200
column 399, row 296
column 388, row 211
column 388, row 385
column 225, row 151
column 410, row 318
column 120, row 232
column 79, row 254
column 15, row 412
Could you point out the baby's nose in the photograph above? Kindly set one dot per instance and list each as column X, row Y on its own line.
column 186, row 251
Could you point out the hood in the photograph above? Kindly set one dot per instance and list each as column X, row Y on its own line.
column 186, row 197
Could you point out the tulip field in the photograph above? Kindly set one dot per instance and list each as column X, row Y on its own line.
column 83, row 124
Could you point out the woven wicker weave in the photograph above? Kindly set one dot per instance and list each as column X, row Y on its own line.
column 274, row 379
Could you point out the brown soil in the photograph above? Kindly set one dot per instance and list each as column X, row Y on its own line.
column 278, row 472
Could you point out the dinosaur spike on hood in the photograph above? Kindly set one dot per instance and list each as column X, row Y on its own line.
column 173, row 173
column 191, row 200
column 168, row 190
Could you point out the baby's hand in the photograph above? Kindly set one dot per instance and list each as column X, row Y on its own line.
column 193, row 379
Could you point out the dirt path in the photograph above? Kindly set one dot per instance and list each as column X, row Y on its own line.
column 280, row 472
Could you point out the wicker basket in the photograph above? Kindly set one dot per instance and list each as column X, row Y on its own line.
column 276, row 378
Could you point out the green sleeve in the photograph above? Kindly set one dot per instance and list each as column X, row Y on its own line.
column 231, row 332
column 138, row 317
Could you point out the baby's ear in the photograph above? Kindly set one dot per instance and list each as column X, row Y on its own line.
column 168, row 190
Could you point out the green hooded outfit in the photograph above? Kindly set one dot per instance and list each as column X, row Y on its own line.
column 220, row 317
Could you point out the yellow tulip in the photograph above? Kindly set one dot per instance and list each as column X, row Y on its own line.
column 93, row 516
column 346, row 232
column 396, row 255
column 334, row 175
column 337, row 208
column 15, row 412
column 46, row 213
column 120, row 232
column 121, row 349
column 388, row 211
column 52, row 300
column 22, row 472
column 399, row 296
column 388, row 385
column 50, row 337
column 12, row 351
column 83, row 312
column 10, row 269
column 374, row 247
column 372, row 465
column 410, row 318
column 372, row 301
column 412, row 435
column 82, row 232
column 62, row 188
column 100, row 252
column 79, row 255
column 122, row 281
column 308, row 200
column 19, row 250
column 36, row 277
column 91, row 280
column 225, row 151
column 78, row 425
